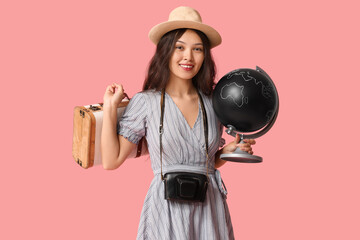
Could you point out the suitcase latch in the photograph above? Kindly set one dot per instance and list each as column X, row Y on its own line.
column 79, row 162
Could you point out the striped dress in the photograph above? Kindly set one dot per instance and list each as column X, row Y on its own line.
column 183, row 150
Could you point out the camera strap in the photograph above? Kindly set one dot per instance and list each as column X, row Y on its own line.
column 161, row 129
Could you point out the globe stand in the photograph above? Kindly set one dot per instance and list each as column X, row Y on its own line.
column 240, row 156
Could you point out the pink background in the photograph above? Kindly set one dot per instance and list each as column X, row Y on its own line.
column 55, row 55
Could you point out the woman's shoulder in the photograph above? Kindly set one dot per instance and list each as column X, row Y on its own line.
column 147, row 97
column 206, row 98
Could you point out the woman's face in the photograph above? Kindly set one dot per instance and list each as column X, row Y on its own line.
column 187, row 57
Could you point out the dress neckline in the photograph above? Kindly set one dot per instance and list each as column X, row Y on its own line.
column 182, row 115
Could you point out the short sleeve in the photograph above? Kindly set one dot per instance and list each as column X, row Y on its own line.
column 132, row 124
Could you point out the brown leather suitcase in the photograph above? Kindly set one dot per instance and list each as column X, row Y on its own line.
column 87, row 134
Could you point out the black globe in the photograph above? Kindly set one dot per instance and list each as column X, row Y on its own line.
column 245, row 99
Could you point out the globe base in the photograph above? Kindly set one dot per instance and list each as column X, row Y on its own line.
column 241, row 156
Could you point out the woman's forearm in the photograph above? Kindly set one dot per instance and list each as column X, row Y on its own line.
column 110, row 146
column 218, row 161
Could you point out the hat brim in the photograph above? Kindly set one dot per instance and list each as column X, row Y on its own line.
column 159, row 30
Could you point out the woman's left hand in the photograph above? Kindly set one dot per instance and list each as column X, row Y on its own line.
column 246, row 146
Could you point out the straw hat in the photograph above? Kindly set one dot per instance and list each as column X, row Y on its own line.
column 184, row 17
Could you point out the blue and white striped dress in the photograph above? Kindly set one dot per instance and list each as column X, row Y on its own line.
column 183, row 150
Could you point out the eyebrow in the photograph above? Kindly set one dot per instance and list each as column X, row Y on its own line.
column 185, row 43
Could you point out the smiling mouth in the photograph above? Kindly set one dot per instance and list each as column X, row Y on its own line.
column 187, row 67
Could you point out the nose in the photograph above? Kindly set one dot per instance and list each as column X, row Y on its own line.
column 188, row 54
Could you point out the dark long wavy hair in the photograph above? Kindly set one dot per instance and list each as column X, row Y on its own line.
column 159, row 73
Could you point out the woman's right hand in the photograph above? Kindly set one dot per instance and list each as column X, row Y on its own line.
column 114, row 94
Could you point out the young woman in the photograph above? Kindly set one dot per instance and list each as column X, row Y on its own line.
column 178, row 87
